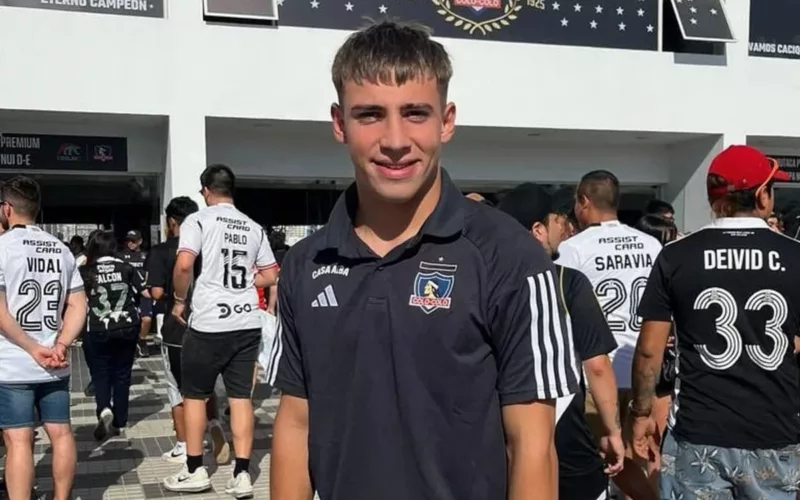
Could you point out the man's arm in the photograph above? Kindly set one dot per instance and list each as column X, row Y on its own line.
column 655, row 310
column 593, row 341
column 533, row 346
column 272, row 302
column 189, row 246
column 182, row 274
column 75, row 313
column 647, row 361
column 532, row 461
column 289, row 476
column 74, row 318
column 11, row 330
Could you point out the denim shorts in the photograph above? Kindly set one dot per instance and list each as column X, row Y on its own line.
column 20, row 404
column 695, row 472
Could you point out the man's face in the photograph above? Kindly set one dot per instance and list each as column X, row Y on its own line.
column 394, row 135
column 133, row 245
column 550, row 235
column 5, row 213
column 668, row 215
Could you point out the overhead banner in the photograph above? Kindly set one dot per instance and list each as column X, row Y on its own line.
column 790, row 165
column 622, row 24
column 252, row 11
column 774, row 29
column 138, row 8
column 63, row 152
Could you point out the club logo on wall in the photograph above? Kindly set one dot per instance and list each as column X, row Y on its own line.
column 103, row 153
column 69, row 152
column 625, row 24
column 466, row 14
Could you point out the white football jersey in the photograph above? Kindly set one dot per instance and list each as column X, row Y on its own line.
column 37, row 271
column 617, row 259
column 233, row 247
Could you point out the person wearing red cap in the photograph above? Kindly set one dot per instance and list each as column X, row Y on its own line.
column 731, row 291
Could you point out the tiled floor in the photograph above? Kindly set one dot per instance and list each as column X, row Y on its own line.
column 130, row 467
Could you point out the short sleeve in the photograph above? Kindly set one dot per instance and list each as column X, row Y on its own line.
column 75, row 279
column 285, row 370
column 191, row 239
column 264, row 258
column 156, row 269
column 656, row 304
column 529, row 326
column 568, row 256
column 590, row 330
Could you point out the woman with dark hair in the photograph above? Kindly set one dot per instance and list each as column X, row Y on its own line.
column 112, row 330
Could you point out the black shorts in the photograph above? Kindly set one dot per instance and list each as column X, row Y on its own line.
column 589, row 486
column 208, row 355
column 146, row 308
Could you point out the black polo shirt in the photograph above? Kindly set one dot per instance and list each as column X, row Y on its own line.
column 732, row 291
column 406, row 360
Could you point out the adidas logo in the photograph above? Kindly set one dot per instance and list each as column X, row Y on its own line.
column 325, row 299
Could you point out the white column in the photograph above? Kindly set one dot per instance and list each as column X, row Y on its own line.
column 186, row 157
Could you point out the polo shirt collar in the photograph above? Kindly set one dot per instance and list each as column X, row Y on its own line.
column 738, row 223
column 446, row 220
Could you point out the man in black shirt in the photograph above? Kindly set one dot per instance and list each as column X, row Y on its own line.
column 160, row 264
column 422, row 342
column 731, row 289
column 136, row 257
column 582, row 474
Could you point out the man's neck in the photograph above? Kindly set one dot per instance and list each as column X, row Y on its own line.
column 383, row 225
column 15, row 221
column 213, row 200
column 601, row 217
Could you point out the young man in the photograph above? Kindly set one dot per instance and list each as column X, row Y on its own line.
column 617, row 260
column 224, row 335
column 42, row 310
column 422, row 343
column 159, row 266
column 731, row 290
column 582, row 474
column 136, row 257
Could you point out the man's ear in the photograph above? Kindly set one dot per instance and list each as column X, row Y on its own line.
column 539, row 230
column 448, row 122
column 337, row 120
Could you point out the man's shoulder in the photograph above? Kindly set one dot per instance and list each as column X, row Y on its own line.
column 501, row 240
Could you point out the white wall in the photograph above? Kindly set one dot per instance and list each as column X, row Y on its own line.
column 81, row 62
column 146, row 144
column 315, row 155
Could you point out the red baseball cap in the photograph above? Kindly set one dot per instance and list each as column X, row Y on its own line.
column 743, row 167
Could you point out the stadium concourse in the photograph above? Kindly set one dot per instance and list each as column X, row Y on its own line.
column 130, row 467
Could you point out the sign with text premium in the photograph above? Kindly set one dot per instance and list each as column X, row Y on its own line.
column 774, row 30
column 622, row 24
column 138, row 8
column 63, row 152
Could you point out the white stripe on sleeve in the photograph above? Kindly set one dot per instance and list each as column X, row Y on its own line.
column 277, row 350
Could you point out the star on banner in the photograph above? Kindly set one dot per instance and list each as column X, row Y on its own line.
column 703, row 20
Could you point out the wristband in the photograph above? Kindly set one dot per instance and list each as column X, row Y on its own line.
column 637, row 412
column 179, row 300
column 65, row 346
